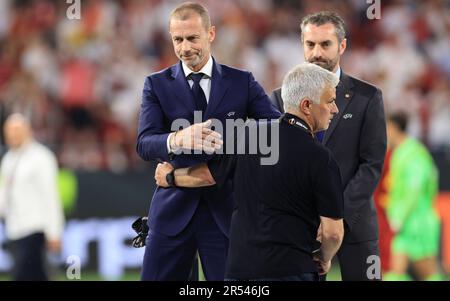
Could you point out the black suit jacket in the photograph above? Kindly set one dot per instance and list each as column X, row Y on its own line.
column 357, row 138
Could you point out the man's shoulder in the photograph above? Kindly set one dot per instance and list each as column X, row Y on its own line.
column 363, row 87
column 233, row 71
column 42, row 151
column 322, row 152
column 164, row 73
column 6, row 156
column 301, row 142
column 320, row 156
column 308, row 152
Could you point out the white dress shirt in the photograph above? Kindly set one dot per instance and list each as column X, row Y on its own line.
column 29, row 199
column 338, row 73
column 205, row 84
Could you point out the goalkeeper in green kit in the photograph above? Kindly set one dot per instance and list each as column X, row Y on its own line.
column 413, row 185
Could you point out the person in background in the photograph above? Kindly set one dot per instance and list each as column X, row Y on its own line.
column 381, row 197
column 413, row 186
column 29, row 200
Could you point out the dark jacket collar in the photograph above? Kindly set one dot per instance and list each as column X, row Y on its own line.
column 345, row 81
column 297, row 122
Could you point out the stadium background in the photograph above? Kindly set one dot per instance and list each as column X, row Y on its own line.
column 80, row 82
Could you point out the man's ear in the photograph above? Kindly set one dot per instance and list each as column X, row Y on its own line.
column 212, row 33
column 342, row 46
column 305, row 106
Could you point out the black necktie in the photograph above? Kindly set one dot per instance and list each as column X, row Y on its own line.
column 199, row 95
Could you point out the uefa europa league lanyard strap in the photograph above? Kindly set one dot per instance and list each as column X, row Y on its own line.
column 297, row 122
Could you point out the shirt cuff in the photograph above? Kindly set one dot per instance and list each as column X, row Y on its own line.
column 169, row 150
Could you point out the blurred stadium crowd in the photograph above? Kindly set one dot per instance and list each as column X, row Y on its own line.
column 80, row 81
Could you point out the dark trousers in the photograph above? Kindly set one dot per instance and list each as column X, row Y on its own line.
column 29, row 258
column 170, row 258
column 355, row 261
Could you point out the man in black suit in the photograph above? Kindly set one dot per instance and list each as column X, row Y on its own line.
column 279, row 205
column 357, row 138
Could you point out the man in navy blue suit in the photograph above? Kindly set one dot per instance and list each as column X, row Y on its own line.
column 183, row 221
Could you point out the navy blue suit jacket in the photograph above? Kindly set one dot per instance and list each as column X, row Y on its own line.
column 166, row 97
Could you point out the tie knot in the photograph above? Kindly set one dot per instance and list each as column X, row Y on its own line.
column 196, row 77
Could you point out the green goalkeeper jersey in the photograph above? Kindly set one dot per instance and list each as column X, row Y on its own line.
column 413, row 182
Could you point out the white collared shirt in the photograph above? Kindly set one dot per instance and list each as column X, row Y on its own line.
column 29, row 198
column 205, row 84
column 338, row 73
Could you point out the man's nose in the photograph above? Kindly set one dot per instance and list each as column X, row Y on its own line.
column 185, row 46
column 317, row 52
column 334, row 109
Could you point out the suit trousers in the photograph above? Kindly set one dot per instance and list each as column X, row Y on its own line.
column 360, row 261
column 29, row 258
column 171, row 258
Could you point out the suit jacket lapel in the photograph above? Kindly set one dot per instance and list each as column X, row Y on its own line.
column 219, row 85
column 181, row 87
column 344, row 95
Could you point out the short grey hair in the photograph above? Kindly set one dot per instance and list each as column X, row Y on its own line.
column 322, row 18
column 185, row 11
column 306, row 81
